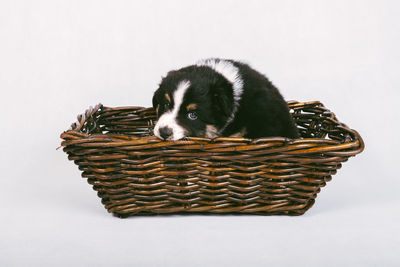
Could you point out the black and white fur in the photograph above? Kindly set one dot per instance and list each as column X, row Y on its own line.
column 219, row 97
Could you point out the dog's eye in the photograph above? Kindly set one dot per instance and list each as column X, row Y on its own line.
column 192, row 116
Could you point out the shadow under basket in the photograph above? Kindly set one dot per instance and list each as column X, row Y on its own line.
column 135, row 173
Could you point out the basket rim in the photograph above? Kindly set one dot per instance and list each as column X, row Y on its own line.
column 74, row 136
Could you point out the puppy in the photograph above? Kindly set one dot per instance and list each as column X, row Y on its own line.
column 219, row 97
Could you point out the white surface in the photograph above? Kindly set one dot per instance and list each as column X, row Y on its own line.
column 59, row 57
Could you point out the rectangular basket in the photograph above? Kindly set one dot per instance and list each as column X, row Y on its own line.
column 135, row 173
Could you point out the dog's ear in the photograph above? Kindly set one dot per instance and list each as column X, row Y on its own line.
column 156, row 100
column 222, row 97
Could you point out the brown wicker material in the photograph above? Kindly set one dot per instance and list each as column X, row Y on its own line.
column 136, row 173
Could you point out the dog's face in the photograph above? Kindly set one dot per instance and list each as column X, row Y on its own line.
column 193, row 101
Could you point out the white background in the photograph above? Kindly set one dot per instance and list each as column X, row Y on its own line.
column 59, row 57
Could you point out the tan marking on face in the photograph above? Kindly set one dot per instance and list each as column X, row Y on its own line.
column 157, row 109
column 168, row 98
column 211, row 131
column 242, row 133
column 192, row 106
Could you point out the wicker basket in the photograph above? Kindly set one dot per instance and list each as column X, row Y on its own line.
column 135, row 173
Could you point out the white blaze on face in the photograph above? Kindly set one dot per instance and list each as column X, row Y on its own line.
column 169, row 118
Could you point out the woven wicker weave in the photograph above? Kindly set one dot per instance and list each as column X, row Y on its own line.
column 136, row 173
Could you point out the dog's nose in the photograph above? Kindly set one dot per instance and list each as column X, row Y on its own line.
column 165, row 132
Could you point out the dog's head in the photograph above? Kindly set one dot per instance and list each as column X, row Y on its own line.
column 193, row 101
